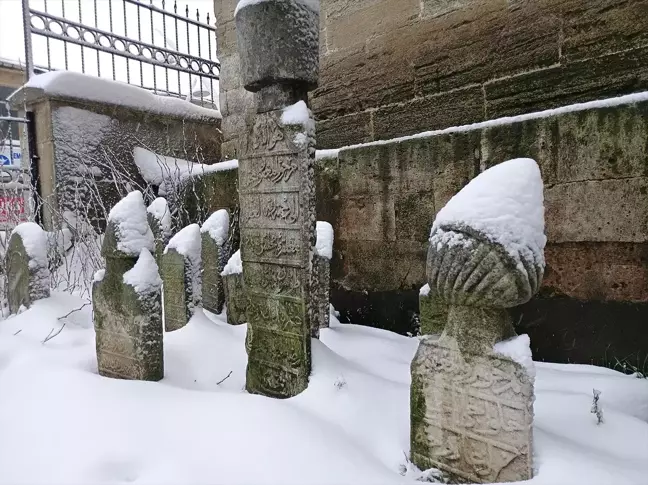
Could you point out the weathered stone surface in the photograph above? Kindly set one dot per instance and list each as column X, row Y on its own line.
column 28, row 275
column 175, row 290
column 345, row 130
column 235, row 299
column 159, row 220
column 128, row 309
column 607, row 76
column 471, row 414
column 80, row 140
column 595, row 271
column 278, row 42
column 320, row 298
column 433, row 313
column 214, row 257
column 595, row 29
column 616, row 211
column 597, row 144
column 180, row 268
column 278, row 45
column 472, row 409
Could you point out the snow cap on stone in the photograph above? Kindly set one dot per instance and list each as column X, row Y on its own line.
column 144, row 276
column 217, row 226
column 34, row 239
column 234, row 265
column 504, row 204
column 324, row 241
column 159, row 209
column 131, row 224
column 186, row 242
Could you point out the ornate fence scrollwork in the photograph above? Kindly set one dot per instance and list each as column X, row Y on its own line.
column 166, row 56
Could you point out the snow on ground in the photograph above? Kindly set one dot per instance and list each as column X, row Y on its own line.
column 61, row 422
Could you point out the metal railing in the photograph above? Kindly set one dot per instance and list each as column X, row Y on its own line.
column 126, row 40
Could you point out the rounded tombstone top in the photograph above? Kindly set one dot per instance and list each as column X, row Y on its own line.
column 128, row 230
column 487, row 244
column 278, row 42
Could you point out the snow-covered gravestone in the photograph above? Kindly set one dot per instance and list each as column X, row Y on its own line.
column 214, row 235
column 235, row 301
column 472, row 387
column 28, row 274
column 321, row 282
column 180, row 267
column 159, row 218
column 126, row 297
column 278, row 43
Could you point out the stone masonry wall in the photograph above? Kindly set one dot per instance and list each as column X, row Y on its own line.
column 382, row 199
column 78, row 140
column 397, row 67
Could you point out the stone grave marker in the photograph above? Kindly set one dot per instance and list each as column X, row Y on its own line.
column 180, row 267
column 321, row 283
column 235, row 300
column 472, row 386
column 28, row 275
column 126, row 297
column 278, row 43
column 159, row 218
column 214, row 236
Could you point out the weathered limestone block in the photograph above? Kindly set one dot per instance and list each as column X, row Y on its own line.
column 28, row 274
column 126, row 297
column 180, row 267
column 214, row 236
column 321, row 278
column 159, row 218
column 433, row 313
column 278, row 44
column 235, row 301
column 471, row 404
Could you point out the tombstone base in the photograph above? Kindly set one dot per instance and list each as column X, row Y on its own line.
column 471, row 414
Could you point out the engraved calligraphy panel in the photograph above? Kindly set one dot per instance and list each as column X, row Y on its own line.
column 280, row 246
column 273, row 279
column 278, row 173
column 478, row 415
column 174, row 291
column 281, row 315
column 278, row 210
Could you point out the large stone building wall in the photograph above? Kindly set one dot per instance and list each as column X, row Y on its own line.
column 382, row 199
column 397, row 67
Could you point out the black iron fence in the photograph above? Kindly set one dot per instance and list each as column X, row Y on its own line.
column 161, row 48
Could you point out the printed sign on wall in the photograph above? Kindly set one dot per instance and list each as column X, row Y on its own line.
column 10, row 155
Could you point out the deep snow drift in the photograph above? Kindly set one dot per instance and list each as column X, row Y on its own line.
column 61, row 423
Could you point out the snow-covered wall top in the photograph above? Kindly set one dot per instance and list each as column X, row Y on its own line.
column 75, row 85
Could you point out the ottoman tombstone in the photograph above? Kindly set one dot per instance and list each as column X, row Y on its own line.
column 472, row 386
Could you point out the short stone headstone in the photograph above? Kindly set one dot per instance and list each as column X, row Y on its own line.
column 278, row 43
column 472, row 386
column 235, row 300
column 180, row 268
column 159, row 218
column 126, row 297
column 214, row 236
column 28, row 275
column 321, row 278
column 433, row 313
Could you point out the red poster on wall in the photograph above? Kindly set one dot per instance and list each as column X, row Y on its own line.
column 12, row 209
